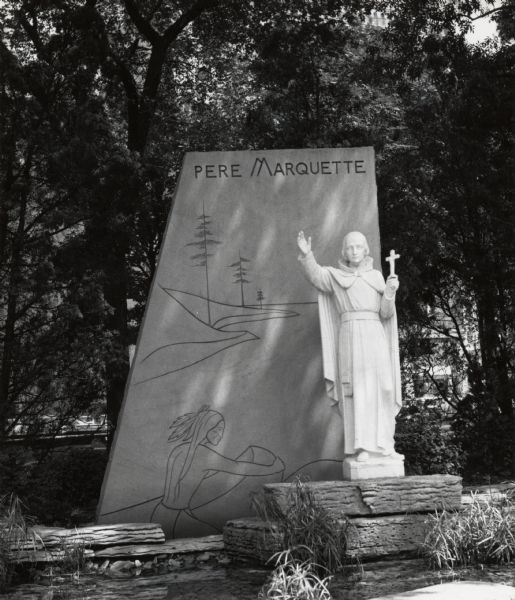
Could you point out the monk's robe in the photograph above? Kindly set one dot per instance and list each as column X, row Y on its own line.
column 360, row 351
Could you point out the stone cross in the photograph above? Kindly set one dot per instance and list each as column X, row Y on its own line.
column 391, row 259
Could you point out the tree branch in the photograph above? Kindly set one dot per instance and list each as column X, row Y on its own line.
column 186, row 18
column 142, row 25
column 483, row 15
column 32, row 33
column 126, row 77
column 459, row 337
column 123, row 71
column 8, row 58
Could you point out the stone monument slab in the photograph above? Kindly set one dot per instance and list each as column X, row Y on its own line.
column 226, row 389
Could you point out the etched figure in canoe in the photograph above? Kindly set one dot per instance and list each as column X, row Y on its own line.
column 197, row 475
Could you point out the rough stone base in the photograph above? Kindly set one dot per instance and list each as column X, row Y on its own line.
column 100, row 535
column 210, row 543
column 386, row 516
column 373, row 468
column 252, row 540
column 420, row 493
column 377, row 537
column 44, row 556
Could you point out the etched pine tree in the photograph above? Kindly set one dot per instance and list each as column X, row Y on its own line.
column 260, row 297
column 240, row 274
column 205, row 239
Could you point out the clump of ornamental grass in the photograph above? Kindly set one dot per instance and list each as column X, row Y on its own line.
column 73, row 556
column 293, row 579
column 17, row 540
column 482, row 533
column 306, row 529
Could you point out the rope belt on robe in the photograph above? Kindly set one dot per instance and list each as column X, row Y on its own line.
column 359, row 315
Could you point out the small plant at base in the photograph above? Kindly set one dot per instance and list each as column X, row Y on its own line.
column 73, row 559
column 306, row 528
column 480, row 534
column 15, row 537
column 293, row 579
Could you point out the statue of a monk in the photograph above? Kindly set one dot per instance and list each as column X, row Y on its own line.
column 360, row 345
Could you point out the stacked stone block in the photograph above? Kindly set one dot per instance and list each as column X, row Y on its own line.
column 387, row 515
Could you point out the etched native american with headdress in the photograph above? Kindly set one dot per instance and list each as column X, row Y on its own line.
column 197, row 475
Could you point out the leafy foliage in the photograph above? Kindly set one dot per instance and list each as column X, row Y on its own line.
column 306, row 529
column 454, row 179
column 294, row 580
column 484, row 435
column 61, row 488
column 15, row 536
column 73, row 559
column 421, row 436
column 480, row 534
column 98, row 102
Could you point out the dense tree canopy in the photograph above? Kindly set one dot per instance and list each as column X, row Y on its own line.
column 99, row 100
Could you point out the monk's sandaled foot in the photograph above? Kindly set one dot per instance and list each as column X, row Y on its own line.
column 362, row 456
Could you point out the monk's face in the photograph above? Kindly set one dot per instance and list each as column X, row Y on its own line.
column 355, row 249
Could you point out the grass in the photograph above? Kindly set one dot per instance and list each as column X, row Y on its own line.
column 306, row 529
column 482, row 533
column 293, row 579
column 18, row 545
column 73, row 560
column 15, row 537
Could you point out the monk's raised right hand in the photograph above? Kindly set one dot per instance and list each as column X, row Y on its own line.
column 303, row 243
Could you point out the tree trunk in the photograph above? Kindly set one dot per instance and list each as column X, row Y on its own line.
column 141, row 108
column 117, row 366
column 6, row 362
column 495, row 369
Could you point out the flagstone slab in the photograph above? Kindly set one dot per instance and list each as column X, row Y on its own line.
column 457, row 590
column 100, row 535
column 212, row 543
column 46, row 556
column 378, row 496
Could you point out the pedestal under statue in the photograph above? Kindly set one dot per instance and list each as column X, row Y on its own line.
column 360, row 354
